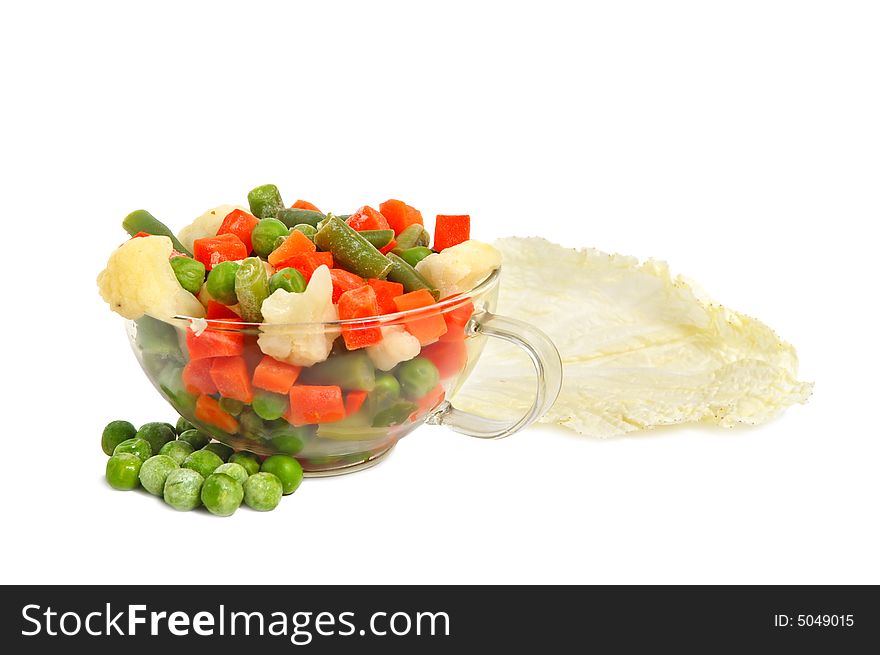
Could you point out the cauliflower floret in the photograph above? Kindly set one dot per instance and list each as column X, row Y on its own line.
column 139, row 280
column 459, row 268
column 397, row 346
column 300, row 345
column 205, row 225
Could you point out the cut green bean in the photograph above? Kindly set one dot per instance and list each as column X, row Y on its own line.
column 379, row 238
column 352, row 371
column 413, row 256
column 351, row 250
column 143, row 221
column 265, row 201
column 394, row 415
column 251, row 288
column 414, row 235
column 189, row 273
column 410, row 278
column 305, row 228
column 292, row 217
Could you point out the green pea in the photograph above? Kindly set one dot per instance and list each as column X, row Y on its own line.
column 154, row 472
column 202, row 462
column 289, row 439
column 287, row 469
column 135, row 446
column 289, row 279
column 231, row 406
column 248, row 461
column 190, row 273
column 177, row 450
column 235, row 471
column 251, row 425
column 309, row 230
column 396, row 414
column 157, row 434
column 413, row 256
column 221, row 282
column 222, row 451
column 114, row 434
column 183, row 425
column 417, row 377
column 251, row 288
column 352, row 371
column 385, row 392
column 183, row 488
column 265, row 201
column 265, row 233
column 269, row 406
column 221, row 495
column 122, row 471
column 195, row 438
column 262, row 492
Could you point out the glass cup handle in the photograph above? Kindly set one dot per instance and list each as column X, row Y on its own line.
column 548, row 370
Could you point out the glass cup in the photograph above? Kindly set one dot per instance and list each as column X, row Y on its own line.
column 345, row 413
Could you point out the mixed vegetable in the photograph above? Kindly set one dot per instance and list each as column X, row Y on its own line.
column 262, row 365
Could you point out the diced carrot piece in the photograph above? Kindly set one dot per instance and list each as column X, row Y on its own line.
column 232, row 378
column 359, row 303
column 386, row 292
column 367, row 218
column 304, row 204
column 315, row 404
column 344, row 281
column 219, row 311
column 214, row 343
column 451, row 230
column 208, row 410
column 197, row 376
column 430, row 325
column 275, row 376
column 295, row 244
column 354, row 400
column 428, row 402
column 400, row 215
column 241, row 224
column 456, row 322
column 223, row 248
column 450, row 357
column 391, row 246
column 307, row 262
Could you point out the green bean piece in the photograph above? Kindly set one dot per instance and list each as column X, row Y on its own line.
column 231, row 406
column 309, row 230
column 417, row 377
column 350, row 250
column 379, row 238
column 409, row 277
column 251, row 288
column 143, row 221
column 395, row 415
column 221, row 282
column 352, row 371
column 413, row 256
column 385, row 392
column 292, row 217
column 189, row 273
column 339, row 432
column 250, row 424
column 289, row 279
column 265, row 201
column 265, row 234
column 414, row 235
column 279, row 241
column 269, row 406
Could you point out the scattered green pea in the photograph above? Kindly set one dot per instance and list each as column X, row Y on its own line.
column 417, row 377
column 286, row 469
column 114, row 434
column 154, row 472
column 289, row 279
column 190, row 273
column 413, row 256
column 235, row 471
column 269, row 406
column 309, row 230
column 203, row 462
column 221, row 494
column 221, row 282
column 157, row 434
column 246, row 460
column 265, row 233
column 135, row 446
column 220, row 449
column 122, row 471
column 262, row 491
column 278, row 242
column 386, row 390
column 183, row 425
column 195, row 438
column 177, row 450
column 231, row 405
column 183, row 488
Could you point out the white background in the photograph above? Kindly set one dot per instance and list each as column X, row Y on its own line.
column 738, row 141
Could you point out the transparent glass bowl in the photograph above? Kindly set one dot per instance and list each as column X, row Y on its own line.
column 174, row 358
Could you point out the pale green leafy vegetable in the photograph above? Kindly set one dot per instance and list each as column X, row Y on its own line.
column 640, row 349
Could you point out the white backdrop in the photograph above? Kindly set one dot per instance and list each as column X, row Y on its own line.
column 738, row 141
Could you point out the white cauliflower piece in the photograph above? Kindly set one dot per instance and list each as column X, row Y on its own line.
column 295, row 339
column 397, row 346
column 205, row 225
column 459, row 268
column 139, row 280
